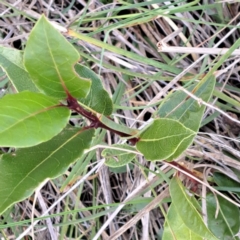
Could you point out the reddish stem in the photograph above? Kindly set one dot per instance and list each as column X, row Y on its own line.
column 180, row 166
column 173, row 163
column 95, row 122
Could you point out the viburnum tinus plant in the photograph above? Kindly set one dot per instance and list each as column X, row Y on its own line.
column 50, row 86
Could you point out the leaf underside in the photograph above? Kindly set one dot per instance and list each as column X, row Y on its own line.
column 23, row 171
column 168, row 137
column 163, row 138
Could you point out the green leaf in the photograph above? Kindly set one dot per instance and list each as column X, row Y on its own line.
column 226, row 184
column 182, row 147
column 23, row 171
column 117, row 158
column 122, row 169
column 186, row 110
column 226, row 224
column 98, row 98
column 27, row 119
column 137, row 204
column 49, row 58
column 3, row 82
column 117, row 126
column 188, row 209
column 175, row 229
column 163, row 139
column 11, row 60
column 179, row 106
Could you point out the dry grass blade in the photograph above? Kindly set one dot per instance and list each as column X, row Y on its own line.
column 140, row 214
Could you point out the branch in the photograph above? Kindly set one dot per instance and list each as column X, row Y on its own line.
column 95, row 122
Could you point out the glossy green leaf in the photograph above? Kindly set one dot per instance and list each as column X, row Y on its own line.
column 117, row 158
column 188, row 210
column 23, row 171
column 186, row 110
column 226, row 223
column 11, row 60
column 164, row 138
column 175, row 229
column 27, row 119
column 98, row 98
column 50, row 58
